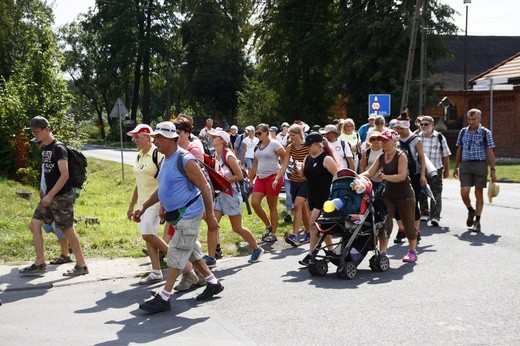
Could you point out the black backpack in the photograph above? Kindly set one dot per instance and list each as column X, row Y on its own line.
column 155, row 160
column 77, row 166
column 405, row 147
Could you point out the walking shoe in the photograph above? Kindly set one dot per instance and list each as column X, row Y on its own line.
column 189, row 280
column 202, row 280
column 271, row 238
column 76, row 271
column 435, row 222
column 266, row 232
column 476, row 227
column 400, row 236
column 305, row 261
column 292, row 239
column 151, row 278
column 424, row 217
column 156, row 305
column 210, row 261
column 61, row 260
column 471, row 216
column 210, row 291
column 410, row 257
column 307, row 237
column 34, row 269
column 287, row 218
column 255, row 256
column 218, row 252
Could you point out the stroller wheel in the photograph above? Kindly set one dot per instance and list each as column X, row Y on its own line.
column 373, row 263
column 318, row 268
column 379, row 263
column 349, row 271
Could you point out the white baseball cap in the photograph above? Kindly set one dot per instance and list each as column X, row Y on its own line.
column 166, row 129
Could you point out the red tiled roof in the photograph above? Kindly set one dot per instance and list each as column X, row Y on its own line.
column 507, row 68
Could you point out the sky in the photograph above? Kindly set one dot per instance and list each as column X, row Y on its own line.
column 485, row 17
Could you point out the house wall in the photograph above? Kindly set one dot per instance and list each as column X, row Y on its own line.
column 506, row 117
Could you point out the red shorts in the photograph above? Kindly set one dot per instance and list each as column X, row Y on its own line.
column 265, row 186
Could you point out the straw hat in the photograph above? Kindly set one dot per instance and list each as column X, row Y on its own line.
column 493, row 190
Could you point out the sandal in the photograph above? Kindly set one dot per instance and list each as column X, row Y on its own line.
column 61, row 260
column 76, row 271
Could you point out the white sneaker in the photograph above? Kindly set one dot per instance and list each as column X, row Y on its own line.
column 434, row 222
column 188, row 281
column 151, row 278
column 424, row 218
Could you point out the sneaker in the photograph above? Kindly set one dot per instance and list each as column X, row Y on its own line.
column 202, row 280
column 155, row 305
column 287, row 218
column 61, row 260
column 151, row 278
column 471, row 216
column 266, row 232
column 76, row 271
column 210, row 261
column 34, row 269
column 305, row 261
column 400, row 236
column 424, row 218
column 435, row 222
column 189, row 280
column 476, row 227
column 292, row 239
column 210, row 291
column 218, row 252
column 410, row 257
column 307, row 237
column 255, row 256
column 271, row 238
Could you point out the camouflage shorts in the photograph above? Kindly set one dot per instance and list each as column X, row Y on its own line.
column 61, row 211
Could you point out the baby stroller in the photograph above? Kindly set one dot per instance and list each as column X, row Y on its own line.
column 352, row 218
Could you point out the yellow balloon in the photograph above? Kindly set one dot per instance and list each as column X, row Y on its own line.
column 329, row 206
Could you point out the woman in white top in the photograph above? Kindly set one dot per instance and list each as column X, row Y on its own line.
column 265, row 168
column 250, row 142
column 230, row 205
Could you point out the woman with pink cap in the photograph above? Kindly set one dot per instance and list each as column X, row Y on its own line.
column 391, row 167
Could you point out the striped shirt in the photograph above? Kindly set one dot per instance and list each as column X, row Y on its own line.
column 297, row 155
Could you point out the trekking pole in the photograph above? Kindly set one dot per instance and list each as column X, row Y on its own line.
column 246, row 201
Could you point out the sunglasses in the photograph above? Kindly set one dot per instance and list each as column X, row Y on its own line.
column 425, row 124
column 258, row 133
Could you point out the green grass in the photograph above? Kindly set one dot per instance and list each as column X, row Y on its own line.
column 106, row 197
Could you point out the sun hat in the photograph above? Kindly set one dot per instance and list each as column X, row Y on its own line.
column 141, row 128
column 234, row 127
column 166, row 129
column 285, row 124
column 250, row 128
column 493, row 190
column 330, row 128
column 220, row 133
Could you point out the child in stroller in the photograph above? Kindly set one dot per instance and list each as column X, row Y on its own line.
column 352, row 217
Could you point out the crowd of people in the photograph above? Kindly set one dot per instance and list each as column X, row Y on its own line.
column 172, row 183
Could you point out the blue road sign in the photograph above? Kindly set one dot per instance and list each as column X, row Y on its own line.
column 379, row 104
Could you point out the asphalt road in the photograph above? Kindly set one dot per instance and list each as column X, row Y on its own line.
column 461, row 291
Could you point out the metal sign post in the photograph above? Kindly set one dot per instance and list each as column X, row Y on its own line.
column 119, row 111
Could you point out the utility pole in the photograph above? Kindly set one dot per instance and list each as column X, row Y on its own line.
column 409, row 63
column 422, row 72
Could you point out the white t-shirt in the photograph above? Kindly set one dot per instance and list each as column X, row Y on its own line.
column 337, row 149
column 251, row 144
column 268, row 159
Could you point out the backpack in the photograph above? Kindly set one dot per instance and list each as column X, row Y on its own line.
column 182, row 170
column 343, row 145
column 155, row 161
column 77, row 166
column 244, row 185
column 405, row 146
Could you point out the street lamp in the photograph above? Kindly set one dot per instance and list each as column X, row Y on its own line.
column 466, row 46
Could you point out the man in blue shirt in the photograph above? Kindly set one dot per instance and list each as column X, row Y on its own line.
column 186, row 197
column 475, row 151
column 363, row 129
